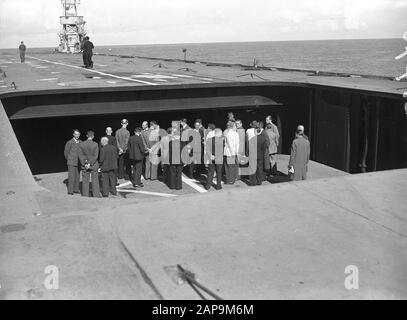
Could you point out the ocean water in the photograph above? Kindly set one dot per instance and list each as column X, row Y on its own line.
column 371, row 57
column 367, row 57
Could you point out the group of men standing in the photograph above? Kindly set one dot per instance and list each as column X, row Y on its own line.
column 95, row 162
column 232, row 153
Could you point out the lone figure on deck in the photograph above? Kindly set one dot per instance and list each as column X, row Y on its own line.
column 87, row 48
column 22, row 48
column 299, row 158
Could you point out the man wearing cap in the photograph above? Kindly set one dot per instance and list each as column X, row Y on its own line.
column 122, row 137
column 108, row 166
column 88, row 155
column 301, row 129
column 71, row 153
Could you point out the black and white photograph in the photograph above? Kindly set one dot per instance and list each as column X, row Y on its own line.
column 215, row 151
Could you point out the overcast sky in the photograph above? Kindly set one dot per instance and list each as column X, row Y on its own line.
column 186, row 21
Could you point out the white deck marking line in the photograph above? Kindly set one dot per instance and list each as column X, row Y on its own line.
column 111, row 82
column 101, row 65
column 165, row 195
column 41, row 67
column 49, row 79
column 181, row 75
column 124, row 184
column 95, row 71
column 3, row 86
column 192, row 184
column 55, row 72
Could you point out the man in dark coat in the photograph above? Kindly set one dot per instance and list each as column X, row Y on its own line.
column 22, row 48
column 214, row 158
column 122, row 137
column 71, row 153
column 136, row 150
column 174, row 180
column 88, row 155
column 88, row 53
column 262, row 143
column 299, row 158
column 108, row 166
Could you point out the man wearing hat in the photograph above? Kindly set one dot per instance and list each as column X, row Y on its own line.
column 299, row 157
column 122, row 137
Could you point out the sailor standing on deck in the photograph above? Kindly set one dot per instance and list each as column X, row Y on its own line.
column 88, row 53
column 122, row 137
column 22, row 48
column 299, row 158
column 71, row 153
column 88, row 155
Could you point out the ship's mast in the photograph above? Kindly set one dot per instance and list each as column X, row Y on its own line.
column 72, row 27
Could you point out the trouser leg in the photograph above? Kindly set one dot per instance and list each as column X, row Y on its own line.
column 259, row 172
column 231, row 169
column 211, row 172
column 273, row 163
column 147, row 173
column 76, row 180
column 127, row 167
column 178, row 177
column 138, row 166
column 172, row 176
column 71, row 178
column 154, row 167
column 95, row 184
column 112, row 181
column 120, row 170
column 85, row 183
column 219, row 169
column 105, row 184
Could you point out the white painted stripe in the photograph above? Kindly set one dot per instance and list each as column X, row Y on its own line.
column 95, row 71
column 41, row 67
column 49, row 79
column 124, row 184
column 55, row 72
column 192, row 184
column 159, row 194
column 101, row 65
column 3, row 86
column 181, row 75
column 111, row 82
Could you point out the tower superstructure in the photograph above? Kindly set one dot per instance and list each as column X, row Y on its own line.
column 72, row 27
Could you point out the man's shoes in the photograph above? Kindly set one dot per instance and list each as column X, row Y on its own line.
column 76, row 192
column 70, row 194
column 218, row 187
column 207, row 187
column 138, row 185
